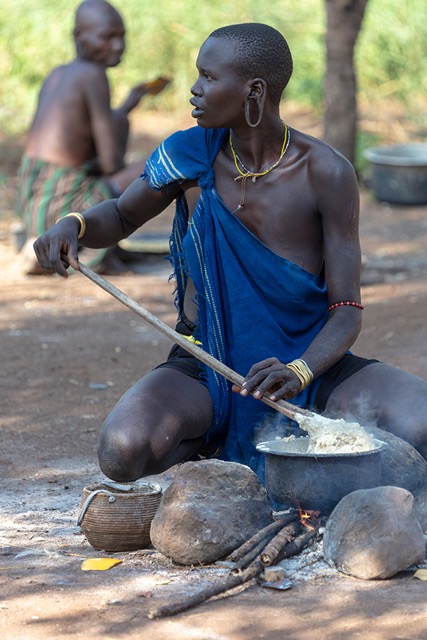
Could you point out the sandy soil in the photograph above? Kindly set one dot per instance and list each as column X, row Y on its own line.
column 68, row 352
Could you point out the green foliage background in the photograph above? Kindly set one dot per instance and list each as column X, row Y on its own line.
column 163, row 37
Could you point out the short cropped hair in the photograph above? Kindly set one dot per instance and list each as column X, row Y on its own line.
column 260, row 52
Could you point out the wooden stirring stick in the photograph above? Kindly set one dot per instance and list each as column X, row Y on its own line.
column 286, row 408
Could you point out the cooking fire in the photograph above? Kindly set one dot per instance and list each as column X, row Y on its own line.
column 285, row 537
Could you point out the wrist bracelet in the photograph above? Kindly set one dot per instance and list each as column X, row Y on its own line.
column 82, row 221
column 302, row 371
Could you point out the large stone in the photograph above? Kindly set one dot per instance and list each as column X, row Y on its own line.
column 208, row 510
column 374, row 533
column 420, row 508
column 401, row 464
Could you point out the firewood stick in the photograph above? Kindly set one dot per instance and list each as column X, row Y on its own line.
column 274, row 547
column 222, row 586
column 261, row 535
column 297, row 544
column 254, row 552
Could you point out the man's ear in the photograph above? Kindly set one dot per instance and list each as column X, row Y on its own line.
column 258, row 87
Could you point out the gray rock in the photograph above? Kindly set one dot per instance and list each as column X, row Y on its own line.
column 401, row 464
column 420, row 508
column 374, row 533
column 208, row 510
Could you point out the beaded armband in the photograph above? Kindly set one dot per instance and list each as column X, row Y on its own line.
column 346, row 303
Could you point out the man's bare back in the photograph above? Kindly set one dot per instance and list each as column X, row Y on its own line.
column 74, row 122
column 75, row 153
column 62, row 131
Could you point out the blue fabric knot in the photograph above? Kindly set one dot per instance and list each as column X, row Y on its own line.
column 207, row 180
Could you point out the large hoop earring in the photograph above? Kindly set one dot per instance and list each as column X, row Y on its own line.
column 260, row 104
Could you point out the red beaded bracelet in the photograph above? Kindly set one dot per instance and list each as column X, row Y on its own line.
column 347, row 303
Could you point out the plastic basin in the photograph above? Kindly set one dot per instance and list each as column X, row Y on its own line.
column 398, row 173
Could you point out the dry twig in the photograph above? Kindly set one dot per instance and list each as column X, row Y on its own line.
column 261, row 535
column 221, row 586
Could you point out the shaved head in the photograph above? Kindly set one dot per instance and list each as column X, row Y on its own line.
column 99, row 33
column 91, row 11
column 259, row 51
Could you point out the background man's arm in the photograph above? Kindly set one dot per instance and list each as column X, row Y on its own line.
column 97, row 95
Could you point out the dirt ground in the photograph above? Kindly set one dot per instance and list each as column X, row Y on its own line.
column 68, row 351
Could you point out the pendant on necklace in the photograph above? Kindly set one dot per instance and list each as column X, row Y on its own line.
column 254, row 179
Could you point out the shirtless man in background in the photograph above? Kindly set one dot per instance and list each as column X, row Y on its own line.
column 75, row 152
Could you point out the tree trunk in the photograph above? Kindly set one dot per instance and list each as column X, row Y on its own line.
column 344, row 20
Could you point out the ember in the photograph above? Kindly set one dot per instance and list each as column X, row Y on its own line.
column 305, row 516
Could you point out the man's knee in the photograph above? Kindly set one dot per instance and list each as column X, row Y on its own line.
column 120, row 457
column 145, row 432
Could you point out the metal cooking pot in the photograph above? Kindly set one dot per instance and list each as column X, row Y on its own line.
column 317, row 481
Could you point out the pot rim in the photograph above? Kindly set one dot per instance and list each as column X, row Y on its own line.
column 264, row 447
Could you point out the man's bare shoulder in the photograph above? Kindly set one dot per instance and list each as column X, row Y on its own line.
column 321, row 157
column 61, row 131
column 74, row 76
column 332, row 180
column 85, row 72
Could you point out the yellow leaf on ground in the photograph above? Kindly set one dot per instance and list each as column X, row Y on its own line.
column 421, row 574
column 99, row 564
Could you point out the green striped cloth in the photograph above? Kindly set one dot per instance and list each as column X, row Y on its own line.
column 48, row 192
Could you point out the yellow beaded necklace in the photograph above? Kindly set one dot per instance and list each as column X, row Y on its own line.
column 244, row 175
column 252, row 174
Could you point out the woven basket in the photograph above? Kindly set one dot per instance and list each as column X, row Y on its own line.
column 118, row 520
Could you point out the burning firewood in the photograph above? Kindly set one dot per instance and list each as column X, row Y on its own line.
column 311, row 521
column 250, row 556
column 280, row 546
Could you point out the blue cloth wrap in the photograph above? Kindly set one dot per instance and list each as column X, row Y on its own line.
column 252, row 303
